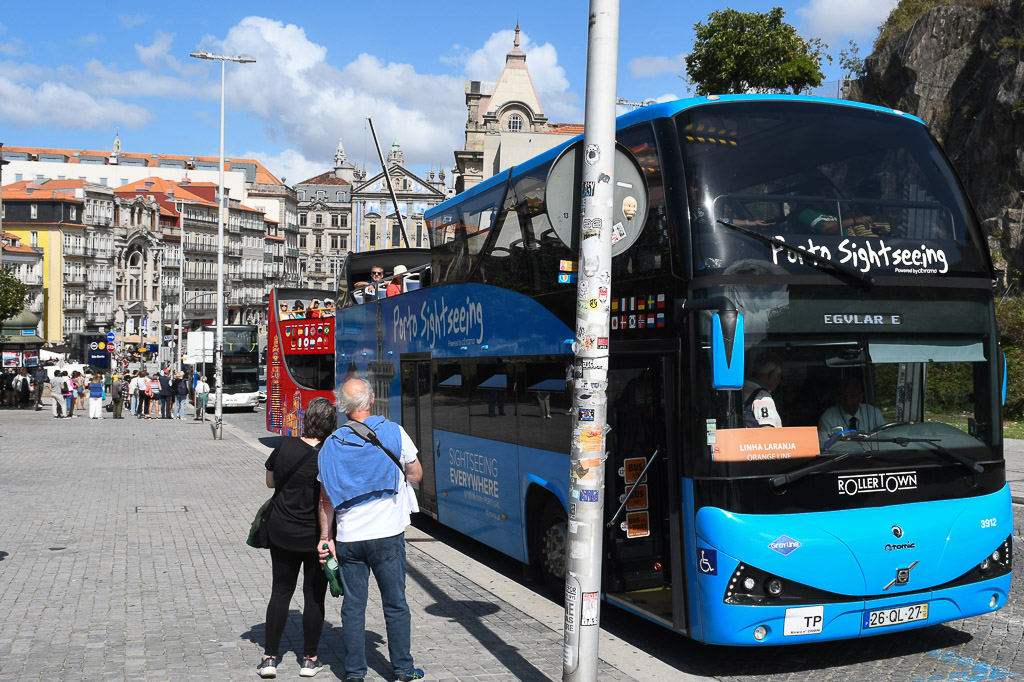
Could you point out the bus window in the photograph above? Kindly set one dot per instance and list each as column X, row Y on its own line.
column 544, row 409
column 450, row 409
column 492, row 403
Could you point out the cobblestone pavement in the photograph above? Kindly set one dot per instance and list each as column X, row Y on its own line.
column 122, row 557
column 983, row 648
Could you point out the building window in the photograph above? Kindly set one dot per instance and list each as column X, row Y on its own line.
column 373, row 233
column 341, row 196
column 343, row 220
column 302, row 220
column 334, row 220
column 344, row 242
column 318, row 243
column 33, row 238
column 17, row 177
column 302, row 241
column 419, row 233
column 302, row 195
column 396, row 234
column 321, row 194
column 34, row 211
column 73, row 213
column 515, row 123
column 103, row 181
column 334, row 242
column 319, row 219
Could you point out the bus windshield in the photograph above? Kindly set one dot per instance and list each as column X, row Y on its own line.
column 859, row 187
column 880, row 378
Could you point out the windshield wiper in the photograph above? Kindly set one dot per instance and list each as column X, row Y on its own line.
column 811, row 259
column 847, row 436
column 903, row 441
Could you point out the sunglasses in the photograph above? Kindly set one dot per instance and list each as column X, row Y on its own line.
column 378, row 272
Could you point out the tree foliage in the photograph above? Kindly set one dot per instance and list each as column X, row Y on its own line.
column 737, row 52
column 12, row 294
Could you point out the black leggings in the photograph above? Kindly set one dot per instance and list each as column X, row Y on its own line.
column 314, row 587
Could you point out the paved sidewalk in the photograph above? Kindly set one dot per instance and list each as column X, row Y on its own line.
column 1013, row 453
column 122, row 556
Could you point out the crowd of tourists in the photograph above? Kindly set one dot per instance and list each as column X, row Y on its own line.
column 161, row 395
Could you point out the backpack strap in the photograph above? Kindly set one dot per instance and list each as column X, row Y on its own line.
column 370, row 436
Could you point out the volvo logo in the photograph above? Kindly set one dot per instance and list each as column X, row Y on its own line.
column 897, row 532
column 902, row 576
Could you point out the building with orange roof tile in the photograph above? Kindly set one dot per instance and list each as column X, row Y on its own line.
column 506, row 124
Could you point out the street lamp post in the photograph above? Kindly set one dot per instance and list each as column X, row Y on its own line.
column 219, row 347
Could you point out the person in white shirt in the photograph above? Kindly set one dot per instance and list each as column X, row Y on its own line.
column 367, row 492
column 202, row 395
column 851, row 413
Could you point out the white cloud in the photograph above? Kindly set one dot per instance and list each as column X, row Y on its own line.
column 289, row 164
column 91, row 39
column 130, row 21
column 650, row 67
column 832, row 20
column 309, row 103
column 58, row 104
column 549, row 79
column 99, row 78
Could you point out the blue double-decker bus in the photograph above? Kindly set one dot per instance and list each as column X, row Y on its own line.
column 837, row 472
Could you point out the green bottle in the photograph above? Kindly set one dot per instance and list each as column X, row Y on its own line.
column 333, row 575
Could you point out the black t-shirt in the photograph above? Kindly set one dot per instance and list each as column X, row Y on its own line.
column 294, row 522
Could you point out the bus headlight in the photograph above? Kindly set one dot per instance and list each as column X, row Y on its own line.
column 774, row 587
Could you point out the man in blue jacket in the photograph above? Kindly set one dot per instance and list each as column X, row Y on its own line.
column 366, row 490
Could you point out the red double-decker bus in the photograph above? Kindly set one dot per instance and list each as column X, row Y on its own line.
column 300, row 355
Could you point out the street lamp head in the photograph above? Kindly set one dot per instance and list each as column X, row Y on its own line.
column 244, row 59
column 201, row 54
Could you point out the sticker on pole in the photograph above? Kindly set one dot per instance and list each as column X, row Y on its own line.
column 590, row 609
column 637, row 525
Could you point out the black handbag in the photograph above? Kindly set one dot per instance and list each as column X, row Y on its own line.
column 259, row 530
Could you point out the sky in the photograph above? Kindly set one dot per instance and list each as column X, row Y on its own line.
column 93, row 70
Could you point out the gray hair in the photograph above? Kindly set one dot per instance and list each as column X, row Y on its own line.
column 355, row 400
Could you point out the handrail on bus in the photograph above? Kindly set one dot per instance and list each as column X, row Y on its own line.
column 629, row 494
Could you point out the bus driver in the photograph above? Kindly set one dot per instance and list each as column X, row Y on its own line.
column 758, row 403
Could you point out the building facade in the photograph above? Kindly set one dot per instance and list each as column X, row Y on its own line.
column 505, row 124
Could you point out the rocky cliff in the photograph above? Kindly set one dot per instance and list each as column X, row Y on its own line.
column 960, row 67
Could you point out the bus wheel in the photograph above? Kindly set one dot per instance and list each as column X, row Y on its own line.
column 553, row 536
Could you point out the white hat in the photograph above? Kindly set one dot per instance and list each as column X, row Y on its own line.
column 399, row 269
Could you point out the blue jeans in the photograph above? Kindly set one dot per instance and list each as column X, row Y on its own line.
column 179, row 407
column 386, row 558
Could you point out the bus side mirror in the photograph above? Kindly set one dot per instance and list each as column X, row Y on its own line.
column 727, row 351
column 727, row 343
column 1004, row 376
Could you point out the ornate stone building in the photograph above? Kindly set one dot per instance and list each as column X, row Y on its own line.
column 505, row 123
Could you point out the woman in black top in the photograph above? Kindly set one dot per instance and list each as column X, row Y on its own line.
column 294, row 530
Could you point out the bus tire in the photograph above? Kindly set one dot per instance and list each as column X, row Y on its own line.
column 550, row 540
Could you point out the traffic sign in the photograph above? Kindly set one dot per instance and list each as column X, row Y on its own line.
column 110, row 337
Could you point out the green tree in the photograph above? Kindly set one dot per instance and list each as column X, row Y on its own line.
column 851, row 63
column 12, row 294
column 738, row 52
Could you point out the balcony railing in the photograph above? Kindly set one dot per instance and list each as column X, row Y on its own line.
column 35, row 306
column 101, row 284
column 74, row 250
column 74, row 277
column 201, row 248
column 71, row 304
column 32, row 280
column 201, row 276
column 200, row 306
column 233, row 250
column 291, row 253
column 233, row 227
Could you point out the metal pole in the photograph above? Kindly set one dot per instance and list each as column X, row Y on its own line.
column 387, row 179
column 590, row 371
column 218, row 413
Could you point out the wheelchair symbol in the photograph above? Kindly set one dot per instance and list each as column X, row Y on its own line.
column 708, row 563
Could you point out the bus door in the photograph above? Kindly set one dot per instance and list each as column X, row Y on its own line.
column 643, row 547
column 418, row 423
